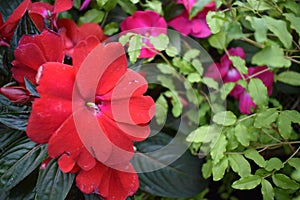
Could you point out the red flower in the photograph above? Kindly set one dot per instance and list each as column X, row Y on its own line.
column 147, row 23
column 33, row 51
column 72, row 34
column 90, row 120
column 16, row 94
column 41, row 11
column 196, row 26
column 7, row 29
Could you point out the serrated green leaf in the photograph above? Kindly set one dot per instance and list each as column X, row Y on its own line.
column 207, row 169
column 161, row 110
column 92, row 15
column 191, row 54
column 218, row 148
column 239, row 64
column 294, row 162
column 289, row 77
column 247, row 183
column 159, row 42
column 242, row 135
column 171, row 51
column 218, row 170
column 184, row 173
column 226, row 118
column 239, row 165
column 267, row 190
column 226, row 89
column 18, row 161
column 279, row 28
column 52, row 183
column 215, row 21
column 176, row 103
column 111, row 28
column 256, row 157
column 258, row 92
column 285, row 182
column 218, row 40
column 135, row 46
column 273, row 163
column 210, row 82
column 154, row 5
column 260, row 28
column 272, row 56
column 124, row 39
column 127, row 6
column 265, row 118
column 203, row 134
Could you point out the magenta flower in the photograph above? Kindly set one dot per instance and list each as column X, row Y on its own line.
column 196, row 26
column 147, row 23
column 246, row 104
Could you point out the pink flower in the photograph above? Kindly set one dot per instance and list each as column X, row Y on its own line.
column 196, row 26
column 188, row 4
column 246, row 104
column 147, row 23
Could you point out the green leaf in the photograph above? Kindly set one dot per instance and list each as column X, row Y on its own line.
column 198, row 66
column 176, row 103
column 218, row 40
column 289, row 77
column 273, row 163
column 127, row 6
column 242, row 135
column 184, row 173
column 25, row 26
column 154, row 5
column 258, row 92
column 8, row 136
column 279, row 28
column 260, row 28
column 294, row 21
column 285, row 120
column 210, row 82
column 294, row 162
column 109, row 5
column 31, row 88
column 267, row 190
column 194, row 77
column 111, row 28
column 218, row 148
column 161, row 109
column 239, row 165
column 256, row 157
column 218, row 169
column 135, row 46
column 239, row 64
column 247, row 183
column 159, row 42
column 203, row 133
column 272, row 56
column 8, row 106
column 226, row 118
column 285, row 182
column 171, row 51
column 8, row 7
column 15, row 121
column 92, row 15
column 234, row 31
column 18, row 161
column 191, row 54
column 264, row 119
column 207, row 169
column 215, row 21
column 52, row 183
column 124, row 39
column 226, row 89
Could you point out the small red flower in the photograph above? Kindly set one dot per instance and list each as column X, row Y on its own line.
column 16, row 94
column 33, row 51
column 92, row 130
column 147, row 23
column 72, row 34
column 7, row 29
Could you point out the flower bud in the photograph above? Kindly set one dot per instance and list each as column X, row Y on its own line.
column 16, row 94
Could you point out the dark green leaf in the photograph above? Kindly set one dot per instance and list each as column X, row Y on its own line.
column 239, row 164
column 247, row 183
column 92, row 197
column 14, row 121
column 53, row 183
column 93, row 15
column 127, row 6
column 19, row 160
column 184, row 173
column 111, row 28
column 31, row 88
column 8, row 136
column 25, row 26
column 109, row 5
column 285, row 182
column 267, row 190
column 6, row 105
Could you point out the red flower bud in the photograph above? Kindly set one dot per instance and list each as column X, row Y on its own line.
column 16, row 94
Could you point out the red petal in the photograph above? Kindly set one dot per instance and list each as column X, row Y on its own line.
column 85, row 160
column 88, row 29
column 88, row 181
column 19, row 71
column 70, row 27
column 19, row 12
column 66, row 163
column 103, row 67
column 62, row 5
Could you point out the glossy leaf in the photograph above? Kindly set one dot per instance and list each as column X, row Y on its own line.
column 184, row 173
column 239, row 165
column 267, row 190
column 218, row 170
column 273, row 163
column 285, row 182
column 15, row 121
column 256, row 157
column 247, row 183
column 294, row 162
column 8, row 136
column 53, row 183
column 19, row 160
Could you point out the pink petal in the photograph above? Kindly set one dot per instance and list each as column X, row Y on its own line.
column 246, row 104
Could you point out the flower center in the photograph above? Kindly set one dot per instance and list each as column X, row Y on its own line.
column 93, row 106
